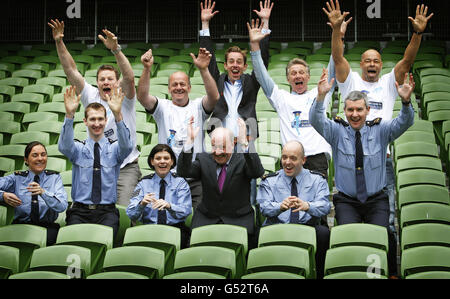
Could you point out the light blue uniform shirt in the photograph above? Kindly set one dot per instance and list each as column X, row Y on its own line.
column 375, row 140
column 177, row 194
column 81, row 154
column 51, row 202
column 312, row 188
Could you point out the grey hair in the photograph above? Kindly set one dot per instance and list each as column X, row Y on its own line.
column 295, row 61
column 356, row 96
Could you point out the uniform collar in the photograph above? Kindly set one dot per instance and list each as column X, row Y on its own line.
column 101, row 142
column 299, row 177
column 167, row 179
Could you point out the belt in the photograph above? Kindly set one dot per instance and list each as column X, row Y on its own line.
column 92, row 206
column 370, row 197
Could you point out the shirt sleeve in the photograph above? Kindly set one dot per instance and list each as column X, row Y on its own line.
column 135, row 209
column 263, row 77
column 320, row 206
column 7, row 184
column 321, row 123
column 124, row 141
column 268, row 204
column 56, row 199
column 397, row 126
column 181, row 204
column 66, row 145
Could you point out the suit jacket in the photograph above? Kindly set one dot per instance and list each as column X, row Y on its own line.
column 232, row 205
column 250, row 87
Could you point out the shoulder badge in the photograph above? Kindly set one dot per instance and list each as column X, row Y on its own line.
column 111, row 141
column 21, row 172
column 269, row 175
column 376, row 121
column 339, row 119
column 50, row 172
column 318, row 173
column 150, row 176
column 81, row 141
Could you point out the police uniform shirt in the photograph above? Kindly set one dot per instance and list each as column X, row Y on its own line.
column 375, row 137
column 51, row 202
column 177, row 194
column 81, row 154
column 276, row 187
column 293, row 111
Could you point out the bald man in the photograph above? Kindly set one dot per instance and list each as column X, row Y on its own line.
column 225, row 174
column 297, row 195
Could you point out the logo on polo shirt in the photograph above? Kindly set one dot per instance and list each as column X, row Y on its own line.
column 298, row 123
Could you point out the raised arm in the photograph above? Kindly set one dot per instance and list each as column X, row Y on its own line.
column 419, row 24
column 202, row 62
column 66, row 145
column 336, row 18
column 143, row 96
column 127, row 82
column 70, row 68
column 207, row 13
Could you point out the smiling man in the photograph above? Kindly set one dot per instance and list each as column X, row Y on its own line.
column 297, row 195
column 359, row 153
column 108, row 77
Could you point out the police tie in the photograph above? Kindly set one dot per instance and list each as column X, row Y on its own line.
column 294, row 215
column 162, row 216
column 34, row 215
column 96, row 194
column 361, row 190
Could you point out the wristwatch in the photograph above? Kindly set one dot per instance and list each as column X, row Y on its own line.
column 117, row 50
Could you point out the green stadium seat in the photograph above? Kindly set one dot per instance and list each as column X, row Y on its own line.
column 356, row 259
column 15, row 152
column 282, row 258
column 30, row 53
column 116, row 275
column 56, row 164
column 323, row 50
column 424, row 213
column 414, row 136
column 7, row 92
column 417, row 162
column 74, row 261
column 30, row 75
column 53, row 128
column 43, row 68
column 26, row 238
column 9, row 263
column 57, row 83
column 186, row 58
column 8, row 128
column 135, row 259
column 59, row 73
column 301, row 236
column 97, row 53
column 421, row 125
column 359, row 234
column 27, row 137
column 96, row 237
column 420, row 177
column 6, row 165
column 17, row 82
column 283, row 57
column 299, row 52
column 272, row 275
column 428, row 275
column 15, row 59
column 415, row 148
column 162, row 237
column 124, row 224
column 425, row 234
column 7, row 67
column 419, row 65
column 223, row 235
column 301, row 44
column 39, row 275
column 50, row 60
column 354, row 275
column 425, row 259
column 44, row 89
column 55, row 107
column 423, row 194
column 39, row 116
column 33, row 99
column 211, row 259
column 171, row 45
column 193, row 275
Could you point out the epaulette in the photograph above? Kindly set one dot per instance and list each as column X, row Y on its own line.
column 21, row 172
column 339, row 119
column 318, row 173
column 150, row 176
column 269, row 175
column 371, row 123
column 50, row 172
column 111, row 141
column 81, row 141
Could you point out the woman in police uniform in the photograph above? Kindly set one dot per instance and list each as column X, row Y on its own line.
column 37, row 194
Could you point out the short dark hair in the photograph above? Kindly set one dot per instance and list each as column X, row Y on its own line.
column 30, row 146
column 94, row 106
column 161, row 148
column 108, row 67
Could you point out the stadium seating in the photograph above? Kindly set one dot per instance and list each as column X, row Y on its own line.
column 425, row 259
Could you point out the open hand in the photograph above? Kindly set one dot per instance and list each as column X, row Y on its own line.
column 57, row 29
column 419, row 23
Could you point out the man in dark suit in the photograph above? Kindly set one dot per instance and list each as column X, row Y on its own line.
column 238, row 91
column 225, row 174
